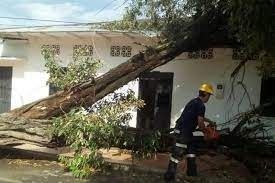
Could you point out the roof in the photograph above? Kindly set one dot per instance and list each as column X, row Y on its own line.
column 54, row 28
column 70, row 28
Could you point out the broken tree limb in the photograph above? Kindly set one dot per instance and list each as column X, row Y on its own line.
column 195, row 37
column 244, row 117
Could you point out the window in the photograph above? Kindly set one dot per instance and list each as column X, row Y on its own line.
column 83, row 50
column 267, row 95
column 124, row 51
column 55, row 49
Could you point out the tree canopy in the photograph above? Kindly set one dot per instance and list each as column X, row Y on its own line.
column 249, row 24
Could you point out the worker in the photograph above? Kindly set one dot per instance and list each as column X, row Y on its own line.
column 191, row 118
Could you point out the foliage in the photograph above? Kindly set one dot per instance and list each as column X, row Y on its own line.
column 79, row 70
column 166, row 16
column 80, row 163
column 104, row 126
column 146, row 144
column 252, row 22
column 248, row 24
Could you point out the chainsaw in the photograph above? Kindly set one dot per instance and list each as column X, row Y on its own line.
column 211, row 133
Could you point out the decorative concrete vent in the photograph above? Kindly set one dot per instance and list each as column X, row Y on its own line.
column 240, row 54
column 55, row 49
column 83, row 50
column 207, row 54
column 115, row 51
column 124, row 51
column 203, row 54
column 194, row 55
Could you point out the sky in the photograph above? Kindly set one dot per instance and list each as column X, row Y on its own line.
column 63, row 10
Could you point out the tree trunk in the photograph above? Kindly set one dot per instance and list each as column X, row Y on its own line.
column 21, row 125
column 24, row 131
column 198, row 35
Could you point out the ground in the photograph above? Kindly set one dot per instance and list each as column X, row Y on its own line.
column 38, row 171
column 214, row 168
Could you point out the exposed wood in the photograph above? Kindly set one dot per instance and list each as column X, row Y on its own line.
column 21, row 131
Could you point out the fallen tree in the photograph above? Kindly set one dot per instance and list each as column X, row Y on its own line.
column 85, row 94
column 21, row 125
column 209, row 28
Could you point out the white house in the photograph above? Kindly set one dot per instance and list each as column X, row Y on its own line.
column 168, row 88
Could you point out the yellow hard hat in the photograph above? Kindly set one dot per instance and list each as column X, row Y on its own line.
column 207, row 88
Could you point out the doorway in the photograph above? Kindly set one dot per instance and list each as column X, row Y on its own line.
column 155, row 88
column 5, row 88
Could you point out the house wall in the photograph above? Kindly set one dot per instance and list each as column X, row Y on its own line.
column 189, row 74
column 30, row 80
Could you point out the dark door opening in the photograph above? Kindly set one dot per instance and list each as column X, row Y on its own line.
column 155, row 88
column 267, row 95
column 5, row 88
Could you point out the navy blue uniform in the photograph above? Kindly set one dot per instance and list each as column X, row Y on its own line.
column 188, row 120
column 185, row 143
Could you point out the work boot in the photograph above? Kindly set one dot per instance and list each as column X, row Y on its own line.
column 191, row 167
column 170, row 174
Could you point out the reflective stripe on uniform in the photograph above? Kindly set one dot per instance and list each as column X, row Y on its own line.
column 190, row 156
column 181, row 145
column 176, row 131
column 174, row 159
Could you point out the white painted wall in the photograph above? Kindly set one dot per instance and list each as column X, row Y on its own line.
column 29, row 82
column 190, row 74
column 29, row 78
column 13, row 48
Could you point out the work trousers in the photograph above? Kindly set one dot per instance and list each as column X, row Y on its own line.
column 185, row 145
